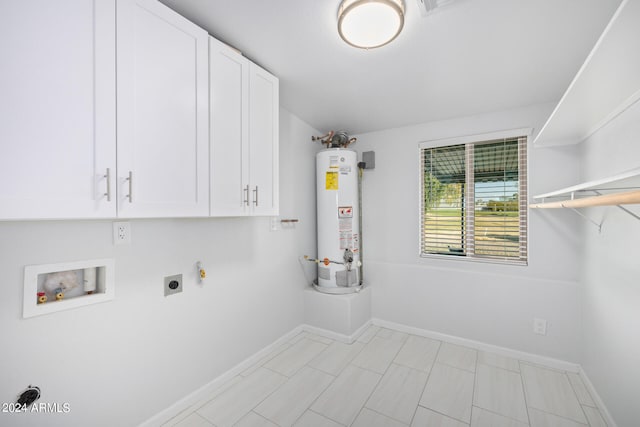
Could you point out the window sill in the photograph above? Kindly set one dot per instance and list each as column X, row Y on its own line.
column 463, row 258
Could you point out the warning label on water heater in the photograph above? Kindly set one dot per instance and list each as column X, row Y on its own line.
column 345, row 226
column 345, row 212
column 331, row 181
column 345, row 240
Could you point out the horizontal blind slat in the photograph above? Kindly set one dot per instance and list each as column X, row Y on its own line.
column 474, row 199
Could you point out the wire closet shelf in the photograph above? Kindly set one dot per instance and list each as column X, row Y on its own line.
column 615, row 190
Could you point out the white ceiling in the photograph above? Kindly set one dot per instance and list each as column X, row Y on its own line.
column 468, row 57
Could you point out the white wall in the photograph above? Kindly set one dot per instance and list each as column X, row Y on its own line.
column 611, row 275
column 491, row 303
column 121, row 362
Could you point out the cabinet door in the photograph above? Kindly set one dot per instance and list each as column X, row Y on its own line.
column 263, row 141
column 229, row 119
column 57, row 109
column 162, row 113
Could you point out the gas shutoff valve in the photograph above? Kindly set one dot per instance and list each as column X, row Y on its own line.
column 347, row 258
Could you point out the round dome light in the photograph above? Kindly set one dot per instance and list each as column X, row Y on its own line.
column 368, row 24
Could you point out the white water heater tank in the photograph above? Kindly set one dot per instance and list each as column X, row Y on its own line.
column 338, row 219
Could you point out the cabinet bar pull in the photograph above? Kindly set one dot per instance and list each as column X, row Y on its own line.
column 255, row 199
column 108, row 177
column 130, row 195
column 246, row 195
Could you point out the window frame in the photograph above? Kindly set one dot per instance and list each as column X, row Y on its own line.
column 476, row 138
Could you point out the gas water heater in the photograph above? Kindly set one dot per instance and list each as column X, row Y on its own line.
column 338, row 213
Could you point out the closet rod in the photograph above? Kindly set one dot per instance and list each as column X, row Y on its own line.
column 626, row 198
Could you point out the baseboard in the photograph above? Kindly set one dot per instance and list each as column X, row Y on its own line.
column 347, row 339
column 478, row 345
column 196, row 397
column 598, row 400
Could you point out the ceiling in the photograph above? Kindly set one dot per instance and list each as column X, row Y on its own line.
column 467, row 57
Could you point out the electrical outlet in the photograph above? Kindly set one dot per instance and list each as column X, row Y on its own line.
column 275, row 223
column 540, row 326
column 172, row 284
column 121, row 233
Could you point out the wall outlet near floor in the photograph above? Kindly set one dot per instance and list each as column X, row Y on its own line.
column 172, row 284
column 121, row 233
column 540, row 326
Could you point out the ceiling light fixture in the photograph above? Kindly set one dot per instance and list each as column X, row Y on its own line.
column 367, row 24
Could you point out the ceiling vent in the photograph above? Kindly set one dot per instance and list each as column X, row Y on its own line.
column 429, row 6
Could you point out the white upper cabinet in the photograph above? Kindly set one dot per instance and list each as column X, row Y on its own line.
column 57, row 109
column 111, row 117
column 163, row 130
column 229, row 118
column 244, row 105
column 263, row 141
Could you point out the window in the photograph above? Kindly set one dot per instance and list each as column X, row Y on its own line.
column 474, row 198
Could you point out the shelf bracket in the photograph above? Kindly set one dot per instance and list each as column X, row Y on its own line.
column 621, row 207
column 629, row 212
column 588, row 219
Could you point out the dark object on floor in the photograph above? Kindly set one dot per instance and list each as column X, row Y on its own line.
column 29, row 396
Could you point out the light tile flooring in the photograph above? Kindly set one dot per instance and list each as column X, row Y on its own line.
column 387, row 379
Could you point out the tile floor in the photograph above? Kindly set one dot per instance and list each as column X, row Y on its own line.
column 389, row 378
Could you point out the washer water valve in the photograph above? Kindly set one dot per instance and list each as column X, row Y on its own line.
column 202, row 274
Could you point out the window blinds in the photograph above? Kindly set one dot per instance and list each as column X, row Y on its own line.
column 474, row 200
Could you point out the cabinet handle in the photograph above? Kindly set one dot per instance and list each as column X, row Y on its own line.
column 130, row 179
column 246, row 195
column 255, row 199
column 108, row 178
